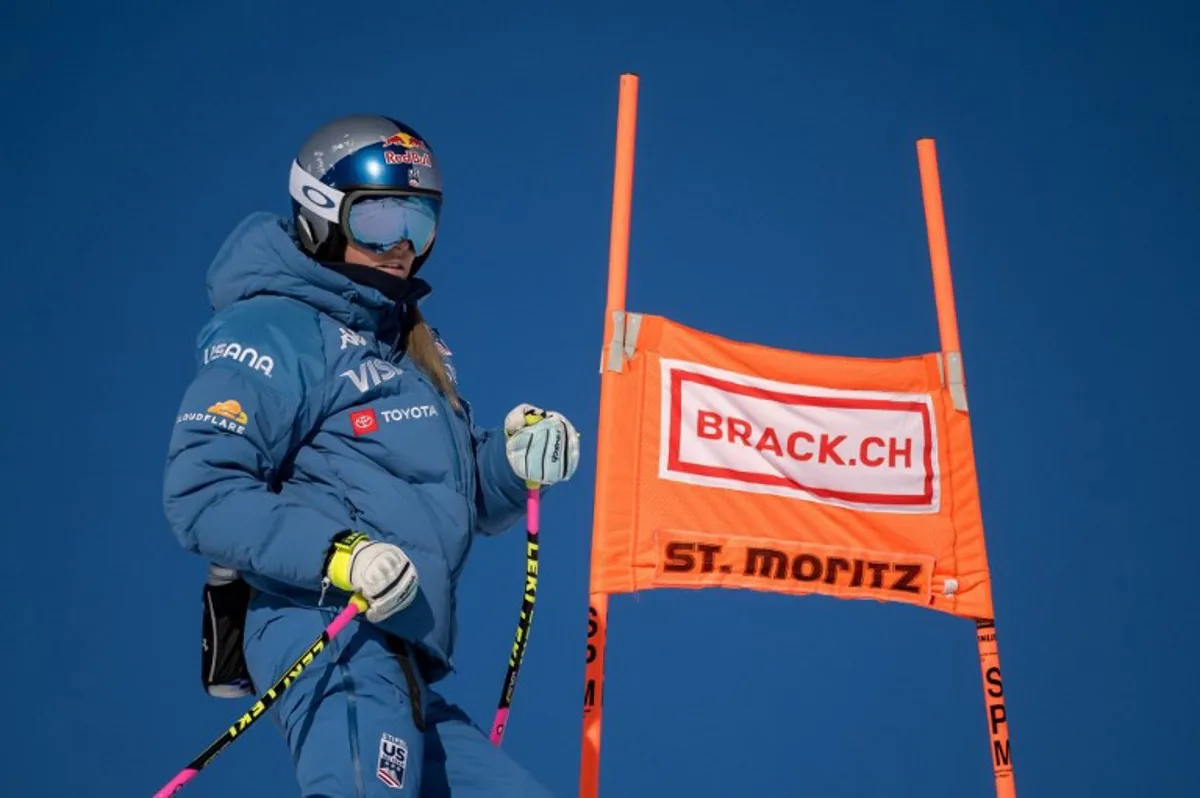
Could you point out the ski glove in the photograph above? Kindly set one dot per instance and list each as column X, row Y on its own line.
column 542, row 447
column 380, row 572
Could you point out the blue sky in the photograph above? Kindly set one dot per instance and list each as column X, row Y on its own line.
column 776, row 200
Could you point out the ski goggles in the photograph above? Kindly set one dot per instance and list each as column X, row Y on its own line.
column 379, row 223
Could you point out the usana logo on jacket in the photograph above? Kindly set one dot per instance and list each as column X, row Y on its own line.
column 245, row 355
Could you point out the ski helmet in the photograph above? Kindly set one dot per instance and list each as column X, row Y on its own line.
column 356, row 159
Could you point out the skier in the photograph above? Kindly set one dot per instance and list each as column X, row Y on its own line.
column 323, row 448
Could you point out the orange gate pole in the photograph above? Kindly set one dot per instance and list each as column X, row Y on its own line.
column 985, row 628
column 618, row 269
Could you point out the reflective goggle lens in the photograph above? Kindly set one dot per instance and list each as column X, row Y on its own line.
column 380, row 223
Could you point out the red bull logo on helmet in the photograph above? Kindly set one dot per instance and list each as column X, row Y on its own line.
column 415, row 158
column 404, row 140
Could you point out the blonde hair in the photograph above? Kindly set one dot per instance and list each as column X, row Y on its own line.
column 420, row 345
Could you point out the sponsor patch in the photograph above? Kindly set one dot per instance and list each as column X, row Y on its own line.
column 418, row 158
column 364, row 422
column 404, row 140
column 406, row 413
column 231, row 409
column 393, row 761
column 247, row 356
column 227, row 415
column 371, row 373
column 351, row 338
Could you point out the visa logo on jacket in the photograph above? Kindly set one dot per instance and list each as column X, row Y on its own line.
column 371, row 373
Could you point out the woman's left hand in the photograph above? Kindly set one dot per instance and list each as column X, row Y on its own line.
column 542, row 446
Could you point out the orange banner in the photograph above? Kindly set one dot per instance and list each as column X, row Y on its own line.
column 735, row 465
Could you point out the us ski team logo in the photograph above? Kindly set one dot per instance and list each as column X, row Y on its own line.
column 393, row 761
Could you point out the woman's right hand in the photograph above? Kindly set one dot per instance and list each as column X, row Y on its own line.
column 542, row 446
column 380, row 572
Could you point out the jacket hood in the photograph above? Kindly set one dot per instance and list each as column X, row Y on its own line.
column 262, row 256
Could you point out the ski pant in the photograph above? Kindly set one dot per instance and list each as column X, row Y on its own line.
column 361, row 722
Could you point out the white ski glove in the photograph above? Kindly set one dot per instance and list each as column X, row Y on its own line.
column 380, row 572
column 542, row 447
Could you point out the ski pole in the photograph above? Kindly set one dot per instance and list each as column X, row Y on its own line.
column 357, row 604
column 533, row 508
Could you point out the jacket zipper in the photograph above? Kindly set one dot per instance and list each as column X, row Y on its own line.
column 461, row 479
column 446, row 411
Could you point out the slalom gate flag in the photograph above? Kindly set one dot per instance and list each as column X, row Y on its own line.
column 728, row 464
column 741, row 466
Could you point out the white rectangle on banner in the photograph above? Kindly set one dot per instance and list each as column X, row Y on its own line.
column 863, row 450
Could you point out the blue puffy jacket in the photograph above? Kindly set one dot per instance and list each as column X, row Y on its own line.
column 304, row 420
